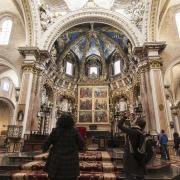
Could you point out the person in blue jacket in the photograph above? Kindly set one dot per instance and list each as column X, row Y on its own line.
column 163, row 140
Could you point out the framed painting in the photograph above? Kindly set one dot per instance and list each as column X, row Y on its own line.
column 93, row 105
column 100, row 92
column 86, row 92
column 85, row 104
column 100, row 104
column 85, row 117
column 100, row 117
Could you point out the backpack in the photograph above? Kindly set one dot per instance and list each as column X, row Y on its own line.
column 144, row 153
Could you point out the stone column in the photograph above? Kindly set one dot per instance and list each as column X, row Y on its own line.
column 29, row 102
column 152, row 88
column 146, row 97
column 174, row 110
column 52, row 124
column 25, row 96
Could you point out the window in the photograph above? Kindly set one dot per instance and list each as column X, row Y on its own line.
column 117, row 67
column 5, row 85
column 178, row 22
column 69, row 68
column 5, row 31
column 93, row 70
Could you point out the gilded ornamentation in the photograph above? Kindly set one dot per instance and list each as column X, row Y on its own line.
column 155, row 64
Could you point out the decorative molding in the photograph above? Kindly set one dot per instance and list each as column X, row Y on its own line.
column 29, row 50
column 31, row 67
column 28, row 22
column 154, row 20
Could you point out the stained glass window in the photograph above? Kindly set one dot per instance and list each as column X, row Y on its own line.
column 5, row 31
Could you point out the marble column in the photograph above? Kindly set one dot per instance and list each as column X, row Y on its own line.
column 152, row 88
column 52, row 124
column 146, row 97
column 29, row 98
column 25, row 97
column 174, row 110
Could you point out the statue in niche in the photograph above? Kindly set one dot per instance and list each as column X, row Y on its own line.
column 64, row 105
column 129, row 47
column 44, row 18
column 53, row 52
column 70, row 107
column 20, row 116
column 44, row 97
column 121, row 105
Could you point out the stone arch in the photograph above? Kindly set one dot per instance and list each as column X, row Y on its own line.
column 85, row 16
column 8, row 101
column 7, row 109
column 32, row 22
column 5, row 62
column 171, row 76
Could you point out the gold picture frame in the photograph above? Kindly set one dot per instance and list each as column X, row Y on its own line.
column 93, row 105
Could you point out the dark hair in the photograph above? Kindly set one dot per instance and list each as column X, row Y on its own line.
column 162, row 131
column 65, row 121
column 141, row 122
column 175, row 134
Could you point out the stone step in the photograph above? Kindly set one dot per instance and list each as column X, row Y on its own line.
column 39, row 175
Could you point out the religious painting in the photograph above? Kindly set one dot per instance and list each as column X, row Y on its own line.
column 100, row 92
column 85, row 117
column 100, row 104
column 85, row 92
column 101, row 117
column 93, row 105
column 85, row 104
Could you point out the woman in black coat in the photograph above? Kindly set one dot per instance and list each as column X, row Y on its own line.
column 65, row 141
column 176, row 142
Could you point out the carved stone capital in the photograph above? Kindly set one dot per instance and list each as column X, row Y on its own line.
column 31, row 67
column 155, row 64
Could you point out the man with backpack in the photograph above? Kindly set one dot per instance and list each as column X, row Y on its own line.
column 138, row 150
column 163, row 140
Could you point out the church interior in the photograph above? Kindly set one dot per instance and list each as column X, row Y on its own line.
column 95, row 59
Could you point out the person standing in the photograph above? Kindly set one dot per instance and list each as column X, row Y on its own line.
column 133, row 169
column 163, row 140
column 176, row 142
column 65, row 142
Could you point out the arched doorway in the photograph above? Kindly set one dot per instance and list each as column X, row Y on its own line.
column 6, row 116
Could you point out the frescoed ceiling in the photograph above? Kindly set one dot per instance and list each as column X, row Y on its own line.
column 92, row 39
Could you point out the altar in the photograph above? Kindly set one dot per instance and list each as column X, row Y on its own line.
column 100, row 138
